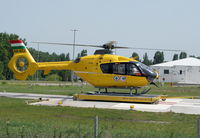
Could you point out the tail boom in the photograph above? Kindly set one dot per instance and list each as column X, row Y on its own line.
column 48, row 66
column 23, row 64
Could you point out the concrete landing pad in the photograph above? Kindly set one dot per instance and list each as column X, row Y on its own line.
column 186, row 106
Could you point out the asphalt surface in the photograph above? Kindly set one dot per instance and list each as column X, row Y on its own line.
column 186, row 106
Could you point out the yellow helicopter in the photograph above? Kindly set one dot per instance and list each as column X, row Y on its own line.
column 102, row 70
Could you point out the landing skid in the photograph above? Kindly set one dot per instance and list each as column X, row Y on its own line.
column 131, row 91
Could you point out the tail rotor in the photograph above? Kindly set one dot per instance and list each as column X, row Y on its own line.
column 22, row 64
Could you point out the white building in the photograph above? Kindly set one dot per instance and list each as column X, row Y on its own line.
column 185, row 71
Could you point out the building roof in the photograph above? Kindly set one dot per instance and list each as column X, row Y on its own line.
column 182, row 62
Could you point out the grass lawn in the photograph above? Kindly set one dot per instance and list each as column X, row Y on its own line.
column 31, row 87
column 67, row 89
column 17, row 119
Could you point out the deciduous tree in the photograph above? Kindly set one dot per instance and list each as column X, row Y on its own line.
column 175, row 57
column 135, row 55
column 183, row 55
column 6, row 53
column 146, row 60
column 158, row 57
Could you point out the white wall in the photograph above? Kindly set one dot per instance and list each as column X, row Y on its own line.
column 179, row 77
column 190, row 74
column 164, row 77
column 193, row 74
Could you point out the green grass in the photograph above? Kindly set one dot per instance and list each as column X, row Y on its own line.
column 17, row 119
column 20, row 120
column 29, row 87
column 67, row 89
column 177, row 90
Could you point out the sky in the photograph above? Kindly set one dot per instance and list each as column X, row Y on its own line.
column 166, row 24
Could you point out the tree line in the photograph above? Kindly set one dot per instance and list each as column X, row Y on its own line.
column 6, row 54
column 64, row 75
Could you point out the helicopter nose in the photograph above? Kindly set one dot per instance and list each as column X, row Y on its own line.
column 157, row 76
column 154, row 76
column 151, row 76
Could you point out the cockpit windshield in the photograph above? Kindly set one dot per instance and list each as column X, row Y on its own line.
column 147, row 71
column 143, row 66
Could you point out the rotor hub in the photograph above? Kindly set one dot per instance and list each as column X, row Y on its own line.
column 21, row 64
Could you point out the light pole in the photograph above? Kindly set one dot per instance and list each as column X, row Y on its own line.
column 72, row 73
column 38, row 55
column 74, row 30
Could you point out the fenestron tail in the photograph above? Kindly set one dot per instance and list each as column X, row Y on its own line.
column 24, row 65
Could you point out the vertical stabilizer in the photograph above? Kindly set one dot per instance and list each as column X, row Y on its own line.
column 22, row 63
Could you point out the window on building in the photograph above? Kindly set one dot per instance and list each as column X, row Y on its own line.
column 166, row 71
column 181, row 72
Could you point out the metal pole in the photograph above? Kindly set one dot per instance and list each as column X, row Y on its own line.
column 198, row 128
column 96, row 126
column 37, row 61
column 72, row 73
column 74, row 42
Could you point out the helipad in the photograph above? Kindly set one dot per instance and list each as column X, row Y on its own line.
column 186, row 106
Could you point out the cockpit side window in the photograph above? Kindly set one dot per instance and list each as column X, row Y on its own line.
column 107, row 68
column 119, row 68
column 133, row 70
column 114, row 68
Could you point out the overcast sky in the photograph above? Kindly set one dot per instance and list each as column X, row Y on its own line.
column 172, row 24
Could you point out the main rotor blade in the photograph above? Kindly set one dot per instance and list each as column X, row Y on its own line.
column 99, row 46
column 156, row 49
column 115, row 47
column 121, row 47
column 67, row 44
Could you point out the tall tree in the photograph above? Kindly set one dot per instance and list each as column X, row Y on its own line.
column 46, row 57
column 175, row 57
column 62, row 57
column 67, row 57
column 65, row 74
column 6, row 53
column 83, row 53
column 135, row 55
column 1, row 71
column 146, row 60
column 183, row 55
column 158, row 57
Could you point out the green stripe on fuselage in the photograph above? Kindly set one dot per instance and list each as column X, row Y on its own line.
column 19, row 47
